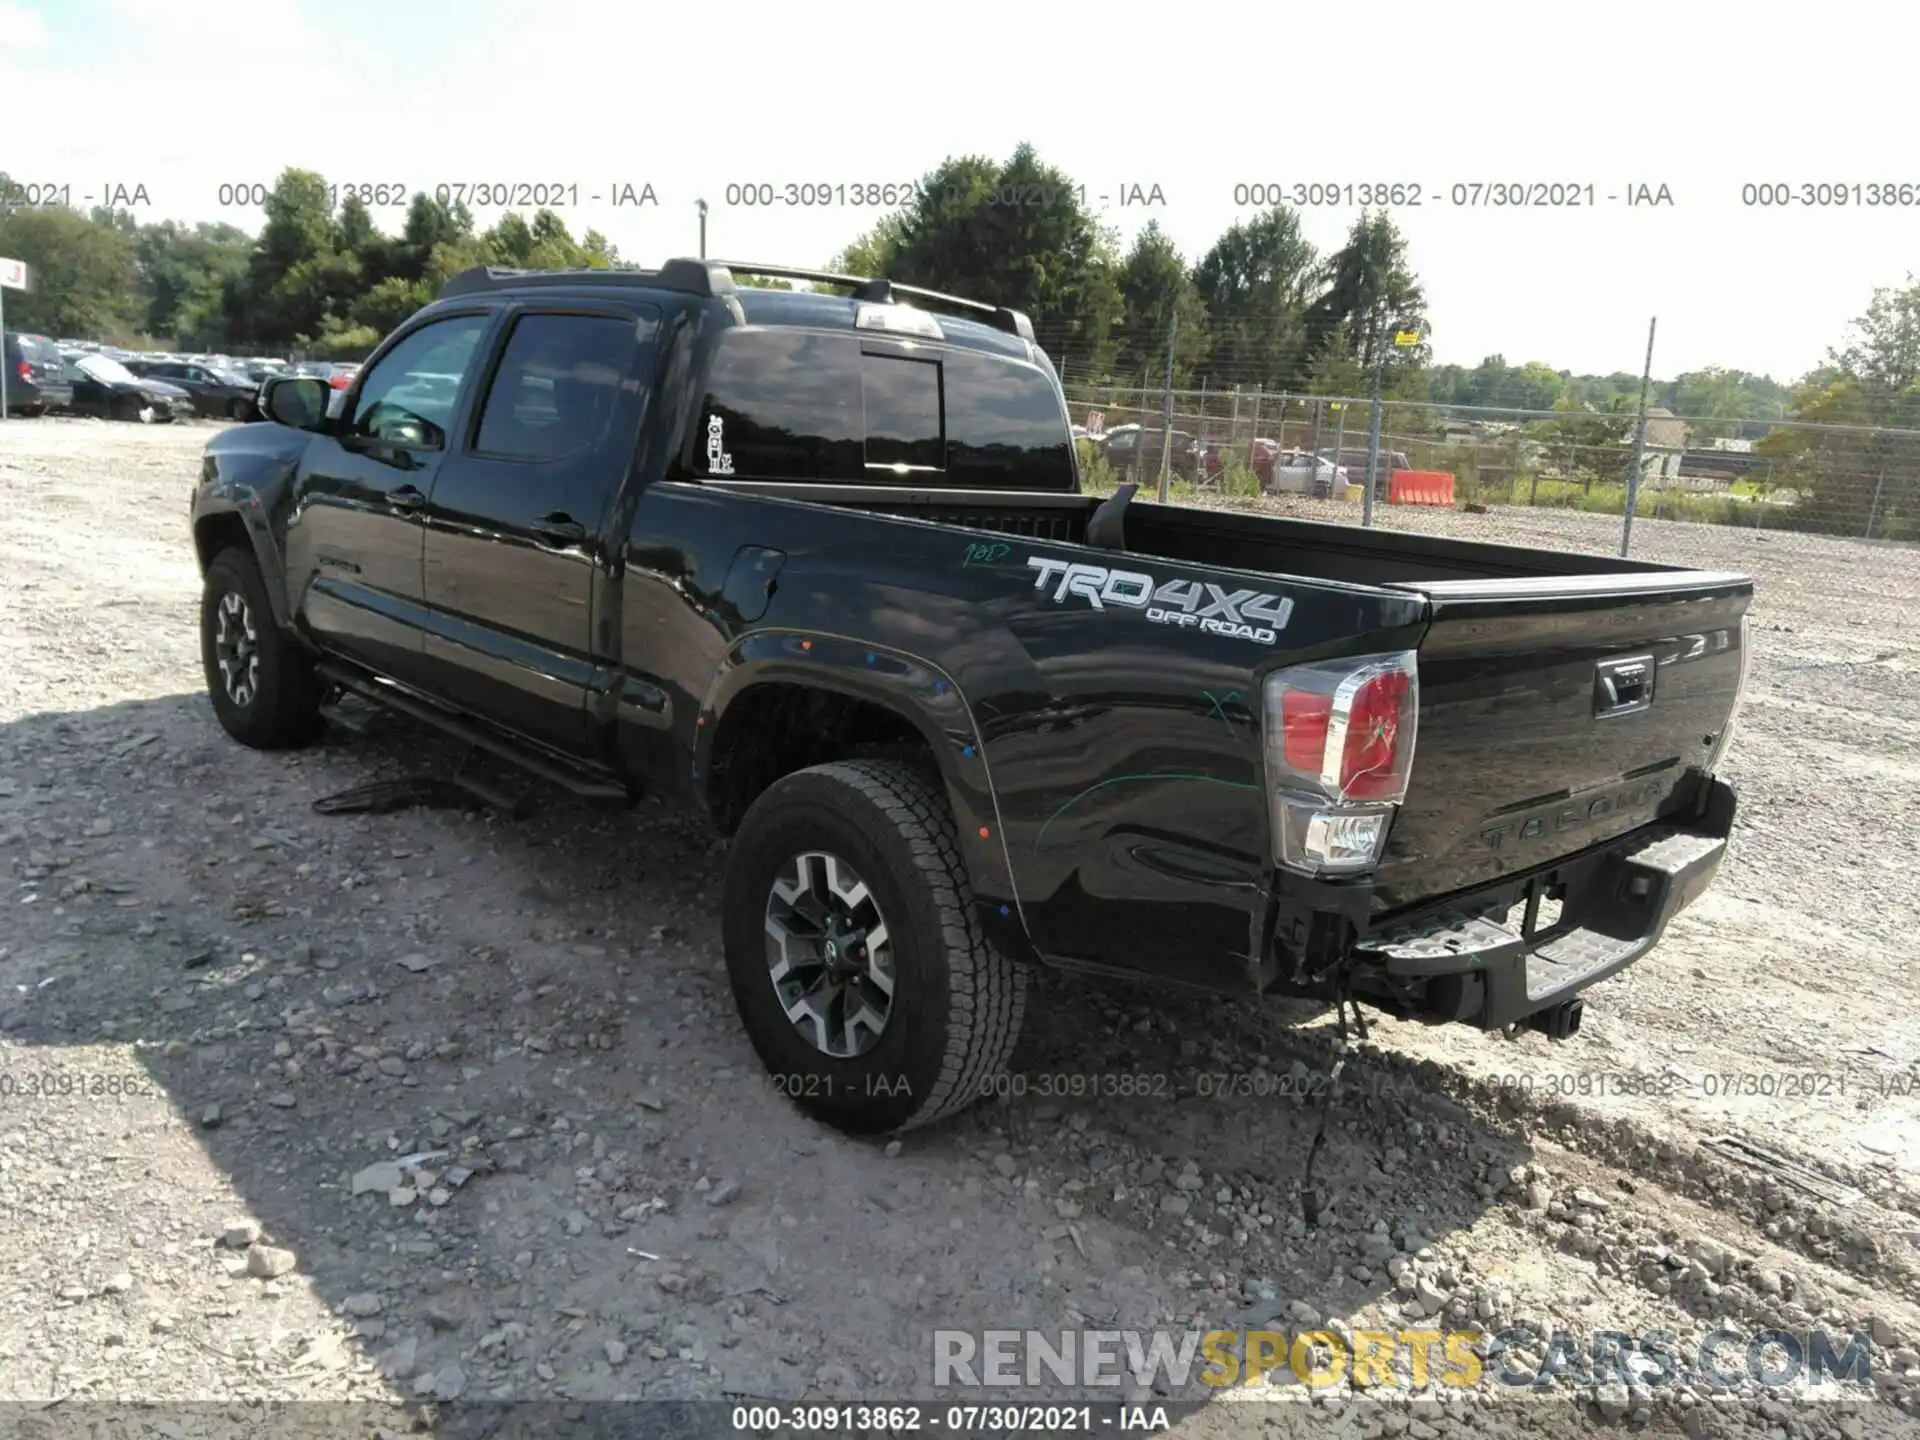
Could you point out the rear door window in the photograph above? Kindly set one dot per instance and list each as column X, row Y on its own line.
column 784, row 405
column 556, row 388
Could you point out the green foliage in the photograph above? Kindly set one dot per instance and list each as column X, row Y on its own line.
column 873, row 252
column 1371, row 294
column 1261, row 305
column 1157, row 295
column 1257, row 283
column 88, row 273
column 1014, row 233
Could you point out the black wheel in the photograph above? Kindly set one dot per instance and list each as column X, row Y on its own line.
column 241, row 410
column 262, row 684
column 857, row 962
column 137, row 410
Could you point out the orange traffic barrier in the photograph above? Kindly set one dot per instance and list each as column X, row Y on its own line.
column 1420, row 487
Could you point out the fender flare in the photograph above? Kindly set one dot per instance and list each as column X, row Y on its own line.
column 912, row 687
column 266, row 554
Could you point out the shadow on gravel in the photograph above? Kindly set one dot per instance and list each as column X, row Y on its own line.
column 190, row 903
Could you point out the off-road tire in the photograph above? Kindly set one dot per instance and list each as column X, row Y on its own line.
column 957, row 1003
column 283, row 711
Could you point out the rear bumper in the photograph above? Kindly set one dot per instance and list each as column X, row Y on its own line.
column 32, row 395
column 1460, row 961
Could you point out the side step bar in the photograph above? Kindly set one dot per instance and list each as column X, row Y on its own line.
column 554, row 773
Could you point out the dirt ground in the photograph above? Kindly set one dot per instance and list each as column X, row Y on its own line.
column 221, row 1011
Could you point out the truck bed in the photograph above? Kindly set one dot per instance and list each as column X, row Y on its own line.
column 1228, row 539
column 1518, row 763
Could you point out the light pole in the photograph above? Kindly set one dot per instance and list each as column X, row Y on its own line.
column 703, row 227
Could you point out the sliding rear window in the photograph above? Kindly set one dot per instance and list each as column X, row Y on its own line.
column 802, row 406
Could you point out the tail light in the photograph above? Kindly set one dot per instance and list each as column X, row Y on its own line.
column 24, row 370
column 1339, row 748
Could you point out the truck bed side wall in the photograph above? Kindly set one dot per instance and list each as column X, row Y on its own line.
column 1105, row 770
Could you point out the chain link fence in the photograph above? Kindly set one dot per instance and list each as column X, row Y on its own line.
column 1828, row 508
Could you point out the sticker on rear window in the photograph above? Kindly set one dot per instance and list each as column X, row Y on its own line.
column 719, row 462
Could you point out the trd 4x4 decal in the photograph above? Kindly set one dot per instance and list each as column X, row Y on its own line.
column 1190, row 604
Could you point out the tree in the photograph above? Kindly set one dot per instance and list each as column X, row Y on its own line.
column 872, row 253
column 1882, row 355
column 291, row 285
column 1586, row 437
column 357, row 238
column 1494, row 384
column 1371, row 294
column 1859, row 481
column 1257, row 283
column 1157, row 295
column 1014, row 234
column 183, row 272
column 430, row 225
column 86, row 273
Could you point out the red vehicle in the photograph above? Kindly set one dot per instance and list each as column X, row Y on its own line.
column 1265, row 452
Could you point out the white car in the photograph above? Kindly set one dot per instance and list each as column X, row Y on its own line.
column 1297, row 472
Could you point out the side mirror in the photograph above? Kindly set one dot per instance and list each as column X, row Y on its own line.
column 297, row 401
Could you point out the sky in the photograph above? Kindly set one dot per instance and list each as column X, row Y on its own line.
column 185, row 97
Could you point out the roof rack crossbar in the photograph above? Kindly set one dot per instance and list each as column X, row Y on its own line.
column 878, row 290
column 711, row 278
column 789, row 272
column 691, row 277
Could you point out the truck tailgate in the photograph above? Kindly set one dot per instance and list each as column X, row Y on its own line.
column 1556, row 714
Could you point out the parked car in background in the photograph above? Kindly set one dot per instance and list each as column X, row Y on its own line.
column 338, row 375
column 103, row 386
column 36, row 376
column 1354, row 462
column 259, row 371
column 1299, row 472
column 221, row 394
column 1126, row 447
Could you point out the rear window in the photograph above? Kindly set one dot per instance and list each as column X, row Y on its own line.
column 37, row 349
column 798, row 406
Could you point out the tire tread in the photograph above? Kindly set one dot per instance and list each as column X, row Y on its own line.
column 987, row 990
column 286, row 714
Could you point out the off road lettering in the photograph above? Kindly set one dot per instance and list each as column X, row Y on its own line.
column 1188, row 604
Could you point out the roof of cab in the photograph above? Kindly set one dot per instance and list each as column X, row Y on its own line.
column 972, row 323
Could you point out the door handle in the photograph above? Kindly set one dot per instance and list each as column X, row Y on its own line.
column 407, row 497
column 559, row 530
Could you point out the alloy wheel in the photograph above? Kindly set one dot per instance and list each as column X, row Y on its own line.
column 236, row 648
column 829, row 954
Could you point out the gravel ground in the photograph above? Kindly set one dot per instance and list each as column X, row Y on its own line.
column 426, row 1107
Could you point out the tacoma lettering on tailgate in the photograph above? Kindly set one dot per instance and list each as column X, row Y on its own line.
column 1568, row 815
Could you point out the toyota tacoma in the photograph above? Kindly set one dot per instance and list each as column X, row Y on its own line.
column 819, row 563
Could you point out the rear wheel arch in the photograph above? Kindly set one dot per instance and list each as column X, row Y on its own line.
column 771, row 727
column 768, row 717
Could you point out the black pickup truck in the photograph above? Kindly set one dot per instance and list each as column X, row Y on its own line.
column 819, row 562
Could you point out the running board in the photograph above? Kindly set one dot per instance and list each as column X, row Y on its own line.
column 466, row 731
